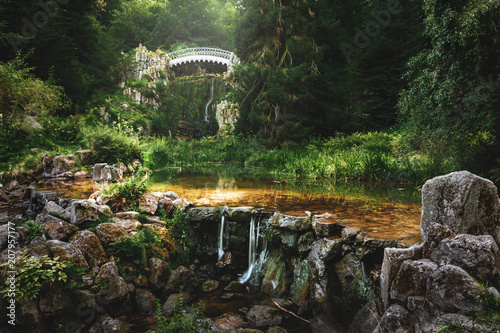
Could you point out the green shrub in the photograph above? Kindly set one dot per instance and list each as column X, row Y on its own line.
column 184, row 319
column 127, row 194
column 112, row 145
column 183, row 233
column 33, row 230
column 33, row 271
column 137, row 248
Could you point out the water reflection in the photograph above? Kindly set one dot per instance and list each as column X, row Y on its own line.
column 381, row 212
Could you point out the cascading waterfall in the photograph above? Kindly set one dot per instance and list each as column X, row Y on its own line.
column 209, row 101
column 254, row 263
column 220, row 246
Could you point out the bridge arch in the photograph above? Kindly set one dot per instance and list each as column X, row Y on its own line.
column 198, row 54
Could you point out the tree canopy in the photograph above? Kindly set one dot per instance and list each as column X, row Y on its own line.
column 429, row 69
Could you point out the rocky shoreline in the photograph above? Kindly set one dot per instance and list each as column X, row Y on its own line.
column 334, row 276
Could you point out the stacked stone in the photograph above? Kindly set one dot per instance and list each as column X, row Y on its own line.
column 435, row 283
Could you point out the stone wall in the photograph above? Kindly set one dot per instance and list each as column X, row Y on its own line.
column 227, row 115
column 152, row 66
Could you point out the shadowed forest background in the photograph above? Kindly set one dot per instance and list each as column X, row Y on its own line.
column 359, row 90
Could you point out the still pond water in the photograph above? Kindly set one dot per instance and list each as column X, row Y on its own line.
column 386, row 212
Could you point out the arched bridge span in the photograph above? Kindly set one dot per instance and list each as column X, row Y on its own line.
column 198, row 54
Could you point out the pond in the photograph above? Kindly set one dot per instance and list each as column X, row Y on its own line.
column 386, row 212
column 382, row 212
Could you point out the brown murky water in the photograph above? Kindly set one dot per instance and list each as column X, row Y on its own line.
column 381, row 213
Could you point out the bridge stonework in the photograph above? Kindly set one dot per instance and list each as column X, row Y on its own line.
column 198, row 54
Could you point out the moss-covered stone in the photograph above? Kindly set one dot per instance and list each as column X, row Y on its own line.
column 275, row 277
column 299, row 290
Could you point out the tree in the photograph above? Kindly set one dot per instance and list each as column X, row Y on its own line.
column 318, row 67
column 451, row 107
column 65, row 40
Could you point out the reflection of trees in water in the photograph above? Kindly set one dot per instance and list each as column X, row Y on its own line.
column 226, row 182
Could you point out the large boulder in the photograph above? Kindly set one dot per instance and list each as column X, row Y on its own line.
column 91, row 247
column 294, row 223
column 462, row 201
column 356, row 286
column 180, row 278
column 102, row 172
column 165, row 206
column 51, row 208
column 425, row 311
column 55, row 305
column 115, row 293
column 29, row 318
column 240, row 214
column 46, row 219
column 393, row 259
column 326, row 225
column 209, row 286
column 396, row 319
column 321, row 250
column 89, row 305
column 175, row 301
column 66, row 252
column 366, row 319
column 263, row 315
column 58, row 229
column 453, row 290
column 59, row 166
column 109, row 232
column 228, row 322
column 203, row 214
column 411, row 279
column 149, row 202
column 83, row 211
column 478, row 255
column 275, row 275
column 146, row 301
column 106, row 324
column 182, row 204
column 299, row 290
column 435, row 233
column 158, row 273
column 84, row 155
column 62, row 164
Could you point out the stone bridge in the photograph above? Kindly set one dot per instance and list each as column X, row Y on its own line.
column 203, row 54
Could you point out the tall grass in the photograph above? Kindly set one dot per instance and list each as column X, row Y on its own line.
column 367, row 157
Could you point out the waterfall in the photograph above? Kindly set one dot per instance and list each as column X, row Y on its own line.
column 254, row 263
column 209, row 101
column 221, row 234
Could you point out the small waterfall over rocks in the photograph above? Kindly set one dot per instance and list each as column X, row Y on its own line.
column 312, row 260
column 256, row 254
column 220, row 247
column 209, row 101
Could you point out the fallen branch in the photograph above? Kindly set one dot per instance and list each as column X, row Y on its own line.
column 290, row 312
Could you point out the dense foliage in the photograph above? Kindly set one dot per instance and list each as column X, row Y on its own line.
column 451, row 107
column 360, row 157
column 33, row 271
column 323, row 66
column 425, row 69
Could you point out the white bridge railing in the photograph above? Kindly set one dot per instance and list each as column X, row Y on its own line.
column 203, row 54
